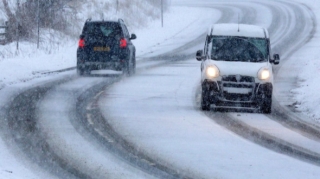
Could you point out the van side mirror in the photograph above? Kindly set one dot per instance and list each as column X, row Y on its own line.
column 199, row 55
column 133, row 36
column 276, row 59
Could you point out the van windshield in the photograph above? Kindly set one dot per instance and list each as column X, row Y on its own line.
column 241, row 49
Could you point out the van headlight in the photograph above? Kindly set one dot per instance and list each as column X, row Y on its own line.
column 212, row 72
column 264, row 74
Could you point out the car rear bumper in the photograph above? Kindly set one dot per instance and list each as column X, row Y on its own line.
column 97, row 61
column 113, row 65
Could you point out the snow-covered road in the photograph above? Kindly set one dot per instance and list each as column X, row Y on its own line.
column 150, row 125
column 160, row 117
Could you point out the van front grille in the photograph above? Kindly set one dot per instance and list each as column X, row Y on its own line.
column 238, row 88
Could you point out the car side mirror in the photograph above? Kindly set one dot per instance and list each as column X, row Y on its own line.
column 199, row 55
column 276, row 59
column 81, row 36
column 133, row 36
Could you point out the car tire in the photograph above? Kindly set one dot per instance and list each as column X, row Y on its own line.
column 134, row 65
column 80, row 71
column 131, row 70
column 266, row 105
column 205, row 102
column 126, row 68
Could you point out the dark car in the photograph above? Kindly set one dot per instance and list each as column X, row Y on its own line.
column 106, row 45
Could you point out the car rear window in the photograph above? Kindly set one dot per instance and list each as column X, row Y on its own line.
column 106, row 29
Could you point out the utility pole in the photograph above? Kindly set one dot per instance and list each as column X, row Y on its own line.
column 117, row 6
column 18, row 23
column 51, row 21
column 38, row 14
column 162, row 13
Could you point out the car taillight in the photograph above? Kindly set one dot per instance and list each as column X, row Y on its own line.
column 81, row 43
column 123, row 43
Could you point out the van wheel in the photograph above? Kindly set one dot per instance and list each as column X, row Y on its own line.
column 266, row 105
column 205, row 103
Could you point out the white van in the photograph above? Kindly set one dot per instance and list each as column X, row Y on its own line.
column 236, row 68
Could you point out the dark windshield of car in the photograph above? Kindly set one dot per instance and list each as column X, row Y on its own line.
column 102, row 29
column 238, row 49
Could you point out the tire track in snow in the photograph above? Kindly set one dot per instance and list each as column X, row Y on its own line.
column 79, row 175
column 105, row 133
column 33, row 142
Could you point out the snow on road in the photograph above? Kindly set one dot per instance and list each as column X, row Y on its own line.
column 306, row 93
column 169, row 126
column 57, row 122
column 13, row 164
column 160, row 116
column 156, row 40
column 27, row 68
column 174, row 130
column 275, row 129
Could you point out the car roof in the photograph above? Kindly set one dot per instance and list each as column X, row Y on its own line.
column 102, row 21
column 116, row 20
column 240, row 30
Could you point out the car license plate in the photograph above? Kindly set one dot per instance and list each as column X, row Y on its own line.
column 101, row 49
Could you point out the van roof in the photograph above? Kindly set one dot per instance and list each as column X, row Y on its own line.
column 241, row 30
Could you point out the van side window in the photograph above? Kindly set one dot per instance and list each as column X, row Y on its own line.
column 206, row 46
column 209, row 49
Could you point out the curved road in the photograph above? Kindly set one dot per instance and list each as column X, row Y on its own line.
column 83, row 127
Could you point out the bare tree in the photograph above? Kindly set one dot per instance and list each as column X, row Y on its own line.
column 51, row 15
column 11, row 19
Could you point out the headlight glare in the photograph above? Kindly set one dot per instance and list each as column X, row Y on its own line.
column 212, row 72
column 264, row 74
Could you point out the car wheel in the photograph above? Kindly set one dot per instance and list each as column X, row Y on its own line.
column 80, row 71
column 134, row 65
column 266, row 105
column 205, row 100
column 126, row 68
